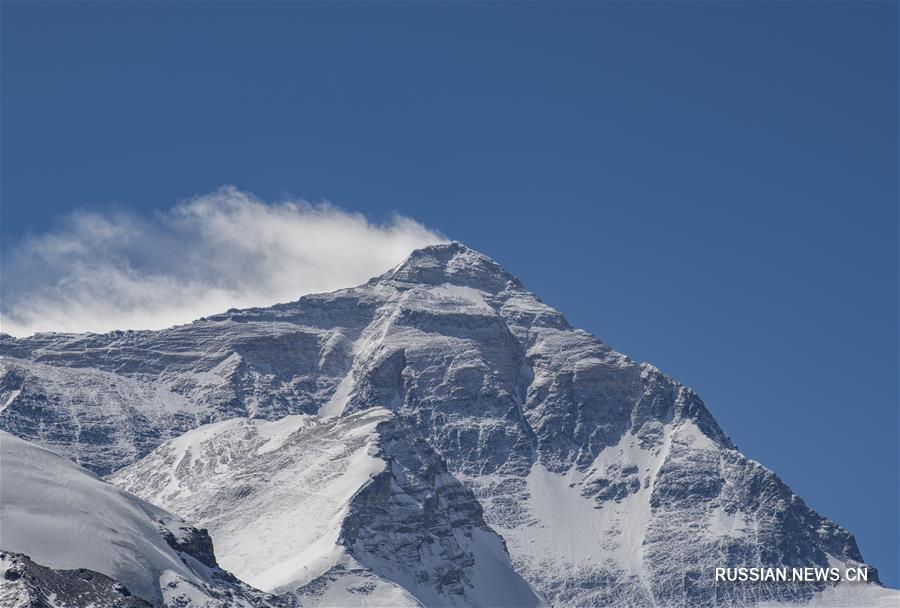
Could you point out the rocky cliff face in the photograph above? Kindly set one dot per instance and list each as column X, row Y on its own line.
column 30, row 585
column 608, row 482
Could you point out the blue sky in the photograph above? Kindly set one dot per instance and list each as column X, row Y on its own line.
column 710, row 187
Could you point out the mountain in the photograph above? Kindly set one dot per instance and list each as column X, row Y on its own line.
column 71, row 539
column 455, row 421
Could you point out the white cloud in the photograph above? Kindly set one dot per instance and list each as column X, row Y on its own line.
column 104, row 271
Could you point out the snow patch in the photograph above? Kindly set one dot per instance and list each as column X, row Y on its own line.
column 335, row 405
column 468, row 296
column 10, row 398
column 721, row 523
column 691, row 434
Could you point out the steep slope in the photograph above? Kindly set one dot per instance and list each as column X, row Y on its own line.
column 64, row 518
column 313, row 508
column 610, row 482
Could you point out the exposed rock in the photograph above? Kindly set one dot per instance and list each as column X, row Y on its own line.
column 26, row 584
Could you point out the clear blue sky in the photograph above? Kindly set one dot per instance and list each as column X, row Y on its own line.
column 710, row 187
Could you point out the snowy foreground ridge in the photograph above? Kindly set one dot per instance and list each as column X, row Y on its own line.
column 64, row 517
column 435, row 437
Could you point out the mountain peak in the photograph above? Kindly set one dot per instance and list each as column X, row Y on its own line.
column 508, row 455
column 452, row 263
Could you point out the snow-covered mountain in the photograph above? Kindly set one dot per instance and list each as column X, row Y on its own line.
column 68, row 534
column 440, row 418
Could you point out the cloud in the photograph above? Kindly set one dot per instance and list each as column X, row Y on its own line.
column 104, row 271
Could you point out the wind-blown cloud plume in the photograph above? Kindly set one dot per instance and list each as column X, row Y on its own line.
column 105, row 271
